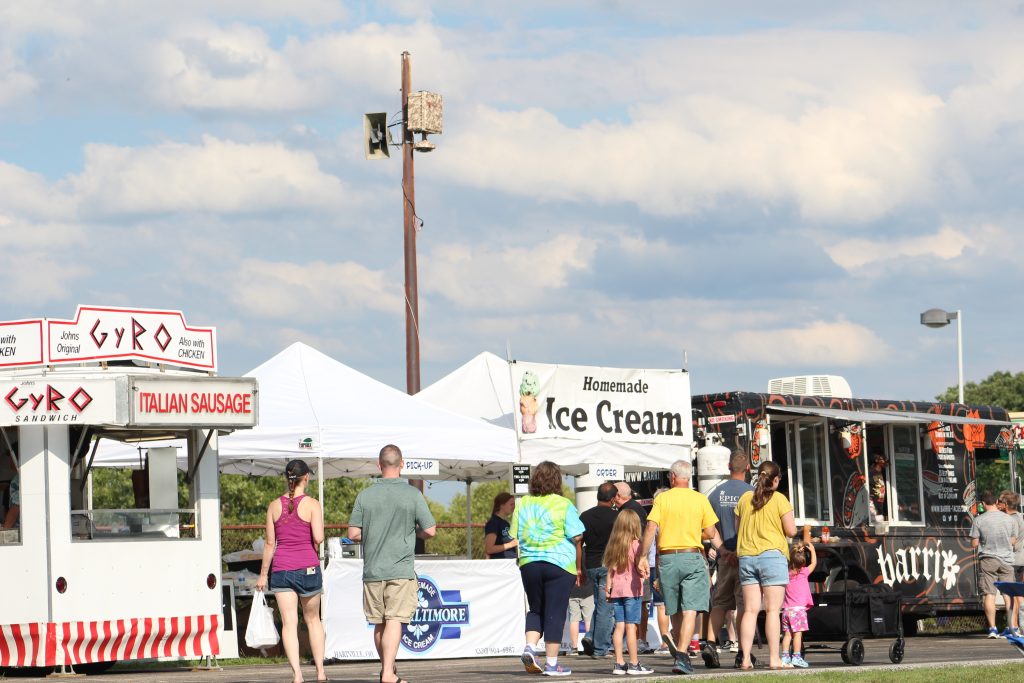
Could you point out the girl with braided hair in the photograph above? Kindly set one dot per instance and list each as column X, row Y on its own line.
column 766, row 524
column 295, row 530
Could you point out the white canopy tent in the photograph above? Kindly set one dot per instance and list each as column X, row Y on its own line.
column 314, row 407
column 481, row 388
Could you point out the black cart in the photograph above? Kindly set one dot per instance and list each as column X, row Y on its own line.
column 853, row 614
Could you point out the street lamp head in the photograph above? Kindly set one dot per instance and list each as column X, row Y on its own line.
column 936, row 317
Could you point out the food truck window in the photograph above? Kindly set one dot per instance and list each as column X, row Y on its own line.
column 10, row 489
column 809, row 470
column 905, row 473
column 147, row 500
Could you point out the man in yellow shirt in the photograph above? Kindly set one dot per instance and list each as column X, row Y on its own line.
column 681, row 518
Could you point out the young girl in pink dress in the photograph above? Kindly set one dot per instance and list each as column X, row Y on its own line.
column 798, row 599
column 625, row 590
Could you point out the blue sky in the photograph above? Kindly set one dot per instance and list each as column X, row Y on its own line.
column 771, row 188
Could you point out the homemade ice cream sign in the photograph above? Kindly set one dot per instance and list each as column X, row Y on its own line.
column 104, row 333
column 577, row 415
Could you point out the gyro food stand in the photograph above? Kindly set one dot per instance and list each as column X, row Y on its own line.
column 87, row 586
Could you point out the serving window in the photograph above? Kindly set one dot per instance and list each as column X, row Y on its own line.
column 809, row 472
column 10, row 488
column 905, row 474
column 148, row 499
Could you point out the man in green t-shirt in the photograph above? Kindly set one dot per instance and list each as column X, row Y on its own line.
column 388, row 517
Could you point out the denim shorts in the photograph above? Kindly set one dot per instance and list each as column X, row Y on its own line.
column 305, row 582
column 626, row 610
column 770, row 568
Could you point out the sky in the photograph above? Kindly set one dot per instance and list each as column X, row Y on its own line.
column 754, row 189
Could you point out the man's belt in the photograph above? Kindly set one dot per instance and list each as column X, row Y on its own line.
column 673, row 551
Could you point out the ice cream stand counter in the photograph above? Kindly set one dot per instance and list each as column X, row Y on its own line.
column 95, row 586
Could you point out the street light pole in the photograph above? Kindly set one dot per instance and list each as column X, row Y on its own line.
column 412, row 316
column 936, row 317
column 960, row 352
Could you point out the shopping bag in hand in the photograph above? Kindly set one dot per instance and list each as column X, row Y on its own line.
column 261, row 632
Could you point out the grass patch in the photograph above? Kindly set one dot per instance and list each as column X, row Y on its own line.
column 188, row 664
column 952, row 674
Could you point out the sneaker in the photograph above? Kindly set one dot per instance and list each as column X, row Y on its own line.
column 799, row 662
column 588, row 646
column 734, row 646
column 644, row 649
column 694, row 649
column 786, row 658
column 670, row 645
column 529, row 660
column 710, row 654
column 570, row 653
column 556, row 670
column 663, row 650
column 619, row 669
column 993, row 633
column 1007, row 632
column 638, row 669
column 682, row 666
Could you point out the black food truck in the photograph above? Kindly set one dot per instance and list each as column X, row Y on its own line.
column 894, row 482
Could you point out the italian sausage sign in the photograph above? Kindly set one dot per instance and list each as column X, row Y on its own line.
column 576, row 415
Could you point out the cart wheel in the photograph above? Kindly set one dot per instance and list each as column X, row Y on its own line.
column 896, row 651
column 853, row 651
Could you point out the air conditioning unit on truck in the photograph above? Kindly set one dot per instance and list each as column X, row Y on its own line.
column 903, row 521
column 94, row 586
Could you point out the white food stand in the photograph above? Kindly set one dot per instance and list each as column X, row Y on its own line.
column 86, row 587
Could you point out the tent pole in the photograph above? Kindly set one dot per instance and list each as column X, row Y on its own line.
column 320, row 495
column 469, row 518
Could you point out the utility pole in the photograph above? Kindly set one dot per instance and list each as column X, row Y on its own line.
column 412, row 315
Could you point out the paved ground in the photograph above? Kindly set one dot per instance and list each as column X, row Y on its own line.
column 923, row 651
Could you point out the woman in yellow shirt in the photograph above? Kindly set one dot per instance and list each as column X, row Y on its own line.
column 765, row 526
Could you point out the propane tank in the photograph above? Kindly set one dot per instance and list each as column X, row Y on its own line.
column 712, row 464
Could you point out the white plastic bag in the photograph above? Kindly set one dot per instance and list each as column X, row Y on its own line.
column 261, row 632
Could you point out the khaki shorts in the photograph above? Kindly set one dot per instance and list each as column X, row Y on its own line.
column 728, row 593
column 992, row 569
column 393, row 600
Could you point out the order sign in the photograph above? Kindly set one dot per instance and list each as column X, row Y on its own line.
column 214, row 401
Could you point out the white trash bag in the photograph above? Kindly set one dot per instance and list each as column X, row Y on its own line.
column 261, row 631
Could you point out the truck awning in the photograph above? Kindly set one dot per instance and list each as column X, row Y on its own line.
column 878, row 416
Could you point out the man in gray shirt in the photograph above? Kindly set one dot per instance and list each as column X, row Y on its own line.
column 388, row 517
column 993, row 533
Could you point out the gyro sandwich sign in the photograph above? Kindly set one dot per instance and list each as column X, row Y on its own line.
column 578, row 415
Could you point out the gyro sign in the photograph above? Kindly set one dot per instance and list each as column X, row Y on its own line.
column 101, row 333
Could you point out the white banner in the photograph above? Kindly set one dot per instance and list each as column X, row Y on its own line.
column 21, row 343
column 107, row 333
column 59, row 401
column 467, row 608
column 575, row 415
column 213, row 401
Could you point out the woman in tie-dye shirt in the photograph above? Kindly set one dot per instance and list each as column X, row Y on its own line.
column 549, row 529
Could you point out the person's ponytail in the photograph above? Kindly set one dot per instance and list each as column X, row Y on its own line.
column 763, row 486
column 294, row 471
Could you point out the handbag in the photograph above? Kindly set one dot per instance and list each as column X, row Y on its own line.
column 261, row 631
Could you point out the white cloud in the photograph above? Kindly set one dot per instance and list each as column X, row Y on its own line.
column 835, row 162
column 312, row 292
column 38, row 276
column 817, row 344
column 947, row 245
column 31, row 196
column 512, row 278
column 215, row 176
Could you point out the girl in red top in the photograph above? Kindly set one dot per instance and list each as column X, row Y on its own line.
column 625, row 589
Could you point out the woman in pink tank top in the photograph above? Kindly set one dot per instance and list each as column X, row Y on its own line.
column 295, row 530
